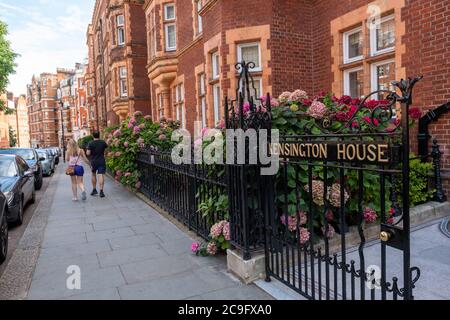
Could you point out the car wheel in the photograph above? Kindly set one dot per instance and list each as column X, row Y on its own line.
column 38, row 183
column 3, row 239
column 33, row 196
column 19, row 219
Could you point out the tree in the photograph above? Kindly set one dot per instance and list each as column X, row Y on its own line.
column 12, row 137
column 7, row 58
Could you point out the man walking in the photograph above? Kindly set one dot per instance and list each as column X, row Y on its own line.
column 96, row 152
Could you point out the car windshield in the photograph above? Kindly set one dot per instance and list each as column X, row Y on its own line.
column 7, row 168
column 42, row 154
column 27, row 154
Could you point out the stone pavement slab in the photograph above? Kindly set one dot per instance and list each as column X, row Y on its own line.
column 125, row 250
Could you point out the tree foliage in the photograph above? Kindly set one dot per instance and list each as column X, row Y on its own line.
column 7, row 58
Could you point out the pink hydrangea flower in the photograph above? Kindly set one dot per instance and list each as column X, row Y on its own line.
column 195, row 246
column 138, row 114
column 226, row 231
column 118, row 173
column 125, row 144
column 304, row 235
column 317, row 192
column 334, row 195
column 127, row 174
column 117, row 133
column 211, row 248
column 148, row 117
column 118, row 154
column 130, row 125
column 370, row 215
column 136, row 130
column 142, row 126
column 221, row 124
column 317, row 110
column 216, row 230
column 292, row 220
column 284, row 97
column 298, row 96
column 162, row 137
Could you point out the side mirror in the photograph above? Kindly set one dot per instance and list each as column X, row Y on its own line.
column 29, row 173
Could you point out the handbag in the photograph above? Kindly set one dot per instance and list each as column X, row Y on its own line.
column 70, row 171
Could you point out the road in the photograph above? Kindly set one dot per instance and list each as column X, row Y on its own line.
column 15, row 233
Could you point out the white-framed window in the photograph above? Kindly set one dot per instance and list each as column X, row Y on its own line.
column 169, row 12
column 215, row 60
column 216, row 101
column 353, row 82
column 382, row 75
column 202, row 98
column 123, row 81
column 382, row 35
column 179, row 105
column 120, row 24
column 250, row 52
column 161, row 105
column 353, row 45
column 171, row 37
column 199, row 17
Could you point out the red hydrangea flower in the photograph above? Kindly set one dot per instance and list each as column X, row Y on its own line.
column 415, row 113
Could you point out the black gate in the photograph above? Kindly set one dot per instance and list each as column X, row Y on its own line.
column 334, row 186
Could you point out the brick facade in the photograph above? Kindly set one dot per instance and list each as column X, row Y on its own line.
column 301, row 45
column 117, row 59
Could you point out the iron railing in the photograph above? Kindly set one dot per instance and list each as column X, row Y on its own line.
column 183, row 190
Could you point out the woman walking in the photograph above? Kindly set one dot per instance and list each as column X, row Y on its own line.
column 75, row 169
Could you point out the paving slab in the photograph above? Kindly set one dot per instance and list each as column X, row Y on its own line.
column 124, row 250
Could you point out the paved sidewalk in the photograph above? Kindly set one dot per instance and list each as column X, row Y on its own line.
column 125, row 250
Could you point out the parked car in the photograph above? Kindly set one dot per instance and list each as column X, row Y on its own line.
column 3, row 228
column 17, row 184
column 55, row 154
column 32, row 159
column 48, row 164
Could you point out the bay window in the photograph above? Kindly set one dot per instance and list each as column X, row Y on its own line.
column 123, row 82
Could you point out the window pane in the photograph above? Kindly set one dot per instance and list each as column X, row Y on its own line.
column 386, row 35
column 355, row 45
column 215, row 65
column 170, row 12
column 171, row 37
column 203, row 112
column 216, row 90
column 385, row 75
column 250, row 54
column 120, row 21
column 356, row 84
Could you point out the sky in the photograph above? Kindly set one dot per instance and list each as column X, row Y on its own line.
column 47, row 34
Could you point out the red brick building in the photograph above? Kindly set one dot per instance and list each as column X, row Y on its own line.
column 118, row 55
column 42, row 110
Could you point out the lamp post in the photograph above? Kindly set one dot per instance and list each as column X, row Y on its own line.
column 61, row 106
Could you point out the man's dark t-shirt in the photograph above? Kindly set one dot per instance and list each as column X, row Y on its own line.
column 97, row 148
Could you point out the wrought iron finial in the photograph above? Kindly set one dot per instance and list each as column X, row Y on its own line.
column 406, row 88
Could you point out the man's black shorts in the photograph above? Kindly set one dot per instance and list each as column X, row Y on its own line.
column 98, row 168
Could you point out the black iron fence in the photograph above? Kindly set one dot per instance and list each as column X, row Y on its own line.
column 192, row 193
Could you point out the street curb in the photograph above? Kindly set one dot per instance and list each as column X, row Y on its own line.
column 16, row 279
